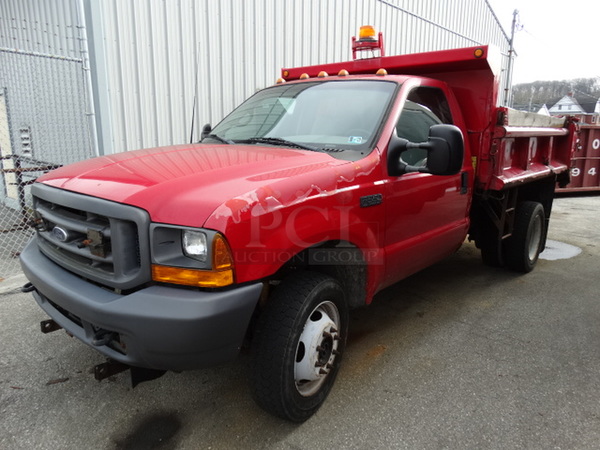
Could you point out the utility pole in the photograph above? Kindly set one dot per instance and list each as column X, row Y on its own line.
column 511, row 52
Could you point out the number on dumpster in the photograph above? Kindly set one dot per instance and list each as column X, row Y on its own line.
column 575, row 172
column 592, row 171
column 596, row 144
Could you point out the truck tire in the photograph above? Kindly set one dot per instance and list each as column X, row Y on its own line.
column 298, row 345
column 523, row 248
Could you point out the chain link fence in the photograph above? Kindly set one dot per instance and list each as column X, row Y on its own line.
column 43, row 125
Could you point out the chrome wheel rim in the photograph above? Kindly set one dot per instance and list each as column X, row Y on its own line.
column 536, row 238
column 317, row 349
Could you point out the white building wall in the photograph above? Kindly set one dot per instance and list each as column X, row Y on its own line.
column 41, row 26
column 151, row 57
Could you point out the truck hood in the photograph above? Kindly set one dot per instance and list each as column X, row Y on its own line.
column 185, row 184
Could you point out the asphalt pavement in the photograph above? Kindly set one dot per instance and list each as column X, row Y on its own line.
column 459, row 356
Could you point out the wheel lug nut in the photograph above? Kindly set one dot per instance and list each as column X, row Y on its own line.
column 323, row 372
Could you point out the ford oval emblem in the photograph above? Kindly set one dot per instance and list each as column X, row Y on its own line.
column 60, row 234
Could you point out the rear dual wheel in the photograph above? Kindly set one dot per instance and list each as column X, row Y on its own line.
column 298, row 346
column 523, row 247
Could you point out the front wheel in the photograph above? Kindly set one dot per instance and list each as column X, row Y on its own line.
column 299, row 341
column 523, row 248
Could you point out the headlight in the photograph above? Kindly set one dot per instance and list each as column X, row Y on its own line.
column 194, row 245
column 190, row 256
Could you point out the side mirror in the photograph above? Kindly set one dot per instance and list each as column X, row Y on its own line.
column 445, row 152
column 206, row 129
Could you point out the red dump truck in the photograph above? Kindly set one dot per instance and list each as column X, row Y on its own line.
column 303, row 203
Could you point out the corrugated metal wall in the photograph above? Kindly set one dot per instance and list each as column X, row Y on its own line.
column 42, row 26
column 151, row 57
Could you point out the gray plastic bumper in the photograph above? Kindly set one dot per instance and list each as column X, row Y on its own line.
column 158, row 327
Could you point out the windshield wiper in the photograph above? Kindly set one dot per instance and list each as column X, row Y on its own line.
column 278, row 141
column 218, row 138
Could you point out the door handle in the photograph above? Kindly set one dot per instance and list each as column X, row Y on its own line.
column 464, row 182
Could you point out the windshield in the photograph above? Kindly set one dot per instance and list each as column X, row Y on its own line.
column 332, row 116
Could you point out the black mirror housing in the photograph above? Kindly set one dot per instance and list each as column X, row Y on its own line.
column 206, row 129
column 445, row 157
column 445, row 152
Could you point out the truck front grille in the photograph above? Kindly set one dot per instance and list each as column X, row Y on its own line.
column 100, row 240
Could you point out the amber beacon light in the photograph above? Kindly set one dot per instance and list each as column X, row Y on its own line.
column 366, row 33
column 368, row 40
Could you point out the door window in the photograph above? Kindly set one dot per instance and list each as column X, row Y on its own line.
column 424, row 107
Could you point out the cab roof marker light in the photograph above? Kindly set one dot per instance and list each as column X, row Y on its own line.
column 323, row 74
column 343, row 73
column 381, row 72
column 280, row 81
column 304, row 76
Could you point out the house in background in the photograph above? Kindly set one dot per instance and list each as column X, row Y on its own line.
column 588, row 110
column 544, row 110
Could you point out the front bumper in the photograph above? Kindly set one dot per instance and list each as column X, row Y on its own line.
column 158, row 327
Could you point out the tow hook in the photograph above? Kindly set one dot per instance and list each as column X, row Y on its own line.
column 28, row 288
column 48, row 326
column 103, row 337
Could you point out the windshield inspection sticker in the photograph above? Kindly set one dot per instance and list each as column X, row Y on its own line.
column 355, row 140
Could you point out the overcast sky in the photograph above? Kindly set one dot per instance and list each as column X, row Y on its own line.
column 557, row 39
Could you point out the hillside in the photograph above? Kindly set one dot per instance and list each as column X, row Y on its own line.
column 531, row 96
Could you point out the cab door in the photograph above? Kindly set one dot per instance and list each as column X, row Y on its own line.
column 426, row 215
